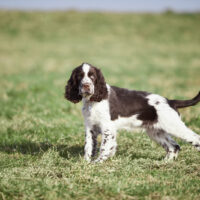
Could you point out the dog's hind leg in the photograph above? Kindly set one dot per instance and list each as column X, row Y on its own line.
column 170, row 122
column 164, row 139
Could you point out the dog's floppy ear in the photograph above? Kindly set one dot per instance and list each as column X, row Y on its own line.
column 72, row 87
column 100, row 89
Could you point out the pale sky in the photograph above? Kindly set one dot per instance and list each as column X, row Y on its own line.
column 104, row 5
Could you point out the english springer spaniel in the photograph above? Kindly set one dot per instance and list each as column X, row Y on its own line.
column 107, row 109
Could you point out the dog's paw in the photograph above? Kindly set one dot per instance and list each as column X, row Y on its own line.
column 87, row 158
column 197, row 147
column 171, row 156
column 98, row 160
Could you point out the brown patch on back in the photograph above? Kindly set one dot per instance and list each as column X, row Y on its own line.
column 126, row 103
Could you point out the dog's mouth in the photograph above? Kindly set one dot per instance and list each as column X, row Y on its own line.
column 86, row 90
column 85, row 93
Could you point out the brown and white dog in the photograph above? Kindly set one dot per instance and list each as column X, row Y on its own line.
column 107, row 109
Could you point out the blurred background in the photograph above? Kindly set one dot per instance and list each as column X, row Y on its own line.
column 149, row 45
column 104, row 5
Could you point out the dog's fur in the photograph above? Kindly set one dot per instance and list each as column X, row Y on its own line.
column 108, row 108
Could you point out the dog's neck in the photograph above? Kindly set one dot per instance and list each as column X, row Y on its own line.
column 87, row 103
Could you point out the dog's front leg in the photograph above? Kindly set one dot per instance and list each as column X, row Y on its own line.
column 90, row 144
column 108, row 145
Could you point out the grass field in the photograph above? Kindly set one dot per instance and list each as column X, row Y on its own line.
column 42, row 135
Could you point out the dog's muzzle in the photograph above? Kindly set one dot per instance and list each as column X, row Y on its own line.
column 85, row 89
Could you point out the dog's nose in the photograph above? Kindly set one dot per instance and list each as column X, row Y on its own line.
column 86, row 86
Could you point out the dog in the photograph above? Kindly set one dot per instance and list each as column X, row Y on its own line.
column 107, row 109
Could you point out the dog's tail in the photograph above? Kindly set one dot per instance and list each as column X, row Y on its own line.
column 185, row 103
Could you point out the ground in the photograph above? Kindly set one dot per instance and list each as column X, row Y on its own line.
column 42, row 134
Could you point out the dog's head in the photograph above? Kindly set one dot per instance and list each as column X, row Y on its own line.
column 86, row 81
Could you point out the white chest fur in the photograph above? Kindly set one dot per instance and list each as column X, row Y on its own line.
column 96, row 113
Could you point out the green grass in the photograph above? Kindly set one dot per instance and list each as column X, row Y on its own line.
column 42, row 135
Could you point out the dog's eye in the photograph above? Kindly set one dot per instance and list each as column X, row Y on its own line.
column 91, row 76
column 80, row 76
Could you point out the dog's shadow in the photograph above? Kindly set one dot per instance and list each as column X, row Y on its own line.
column 34, row 148
column 65, row 151
column 25, row 147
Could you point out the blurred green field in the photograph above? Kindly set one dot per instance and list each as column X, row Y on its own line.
column 42, row 135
